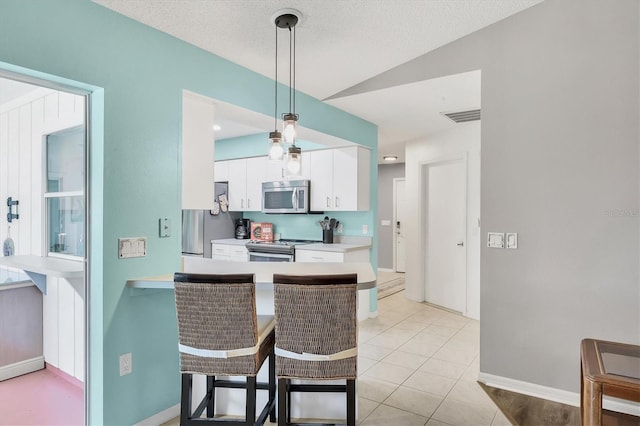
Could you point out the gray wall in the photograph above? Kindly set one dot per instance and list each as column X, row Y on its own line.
column 386, row 174
column 560, row 166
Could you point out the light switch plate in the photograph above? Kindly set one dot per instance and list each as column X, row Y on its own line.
column 495, row 240
column 165, row 227
column 512, row 240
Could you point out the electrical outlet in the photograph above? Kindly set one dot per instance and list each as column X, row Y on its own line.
column 339, row 228
column 126, row 364
column 365, row 229
column 132, row 247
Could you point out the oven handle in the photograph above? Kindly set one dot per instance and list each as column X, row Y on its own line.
column 274, row 255
column 294, row 198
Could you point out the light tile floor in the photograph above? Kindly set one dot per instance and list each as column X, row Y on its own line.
column 418, row 365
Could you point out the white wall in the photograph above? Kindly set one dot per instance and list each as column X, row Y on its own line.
column 462, row 139
column 560, row 146
column 23, row 122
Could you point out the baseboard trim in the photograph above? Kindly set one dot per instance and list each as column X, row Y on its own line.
column 64, row 375
column 161, row 417
column 21, row 367
column 386, row 269
column 553, row 394
column 373, row 314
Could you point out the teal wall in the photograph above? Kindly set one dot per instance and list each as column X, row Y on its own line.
column 136, row 75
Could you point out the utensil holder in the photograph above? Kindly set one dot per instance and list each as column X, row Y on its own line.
column 327, row 236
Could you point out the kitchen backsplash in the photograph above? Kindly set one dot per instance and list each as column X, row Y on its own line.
column 305, row 226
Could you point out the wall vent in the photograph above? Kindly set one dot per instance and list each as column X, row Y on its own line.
column 463, row 116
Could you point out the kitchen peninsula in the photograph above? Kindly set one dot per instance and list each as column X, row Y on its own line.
column 332, row 405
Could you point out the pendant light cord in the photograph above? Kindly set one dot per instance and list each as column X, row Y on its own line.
column 275, row 106
column 290, row 68
column 294, row 70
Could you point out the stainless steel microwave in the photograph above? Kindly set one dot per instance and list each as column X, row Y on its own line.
column 287, row 196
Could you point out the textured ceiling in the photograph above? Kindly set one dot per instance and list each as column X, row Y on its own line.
column 339, row 43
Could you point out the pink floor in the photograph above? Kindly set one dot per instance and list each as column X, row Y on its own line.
column 40, row 398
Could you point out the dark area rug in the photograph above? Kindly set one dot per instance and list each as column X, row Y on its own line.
column 524, row 410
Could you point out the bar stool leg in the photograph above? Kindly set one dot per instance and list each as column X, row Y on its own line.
column 272, row 386
column 211, row 391
column 185, row 403
column 251, row 401
column 282, row 402
column 351, row 402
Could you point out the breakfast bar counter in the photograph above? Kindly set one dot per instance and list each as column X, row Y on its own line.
column 264, row 271
column 307, row 405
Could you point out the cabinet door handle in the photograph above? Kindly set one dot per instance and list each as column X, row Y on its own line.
column 337, row 202
column 248, row 203
column 316, row 257
column 242, row 203
column 328, row 201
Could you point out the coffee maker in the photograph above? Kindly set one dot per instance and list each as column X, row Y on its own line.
column 243, row 227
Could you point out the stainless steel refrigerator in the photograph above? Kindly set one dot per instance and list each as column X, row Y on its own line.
column 199, row 227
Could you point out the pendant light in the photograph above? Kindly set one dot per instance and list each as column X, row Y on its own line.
column 276, row 150
column 287, row 19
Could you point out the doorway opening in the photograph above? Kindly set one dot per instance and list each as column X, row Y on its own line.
column 44, row 147
column 445, row 219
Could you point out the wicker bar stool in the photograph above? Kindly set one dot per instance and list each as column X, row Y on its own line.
column 220, row 334
column 316, row 337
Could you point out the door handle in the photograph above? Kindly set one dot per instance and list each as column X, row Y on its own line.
column 461, row 243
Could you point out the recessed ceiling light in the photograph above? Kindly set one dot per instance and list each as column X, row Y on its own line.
column 216, row 128
column 390, row 157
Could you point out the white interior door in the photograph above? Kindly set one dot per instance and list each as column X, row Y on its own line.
column 399, row 223
column 446, row 261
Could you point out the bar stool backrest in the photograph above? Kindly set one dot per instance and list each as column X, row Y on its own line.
column 316, row 314
column 217, row 313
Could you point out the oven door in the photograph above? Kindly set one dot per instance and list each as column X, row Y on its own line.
column 255, row 256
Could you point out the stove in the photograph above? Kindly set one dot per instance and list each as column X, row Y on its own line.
column 274, row 251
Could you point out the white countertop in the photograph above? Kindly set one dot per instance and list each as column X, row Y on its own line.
column 231, row 241
column 335, row 247
column 264, row 271
column 51, row 266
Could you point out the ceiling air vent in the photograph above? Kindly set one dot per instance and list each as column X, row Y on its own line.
column 463, row 116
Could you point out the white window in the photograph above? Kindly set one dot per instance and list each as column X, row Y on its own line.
column 64, row 196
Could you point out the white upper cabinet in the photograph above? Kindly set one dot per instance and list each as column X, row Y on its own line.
column 276, row 169
column 256, row 174
column 245, row 177
column 340, row 179
column 197, row 152
column 321, row 175
column 221, row 171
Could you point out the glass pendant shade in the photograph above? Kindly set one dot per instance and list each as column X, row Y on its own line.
column 276, row 150
column 294, row 161
column 289, row 129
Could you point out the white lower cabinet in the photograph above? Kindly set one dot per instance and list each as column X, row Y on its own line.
column 63, row 326
column 229, row 252
column 360, row 255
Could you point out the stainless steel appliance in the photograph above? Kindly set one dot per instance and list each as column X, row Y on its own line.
column 193, row 232
column 243, row 229
column 199, row 227
column 285, row 196
column 274, row 251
